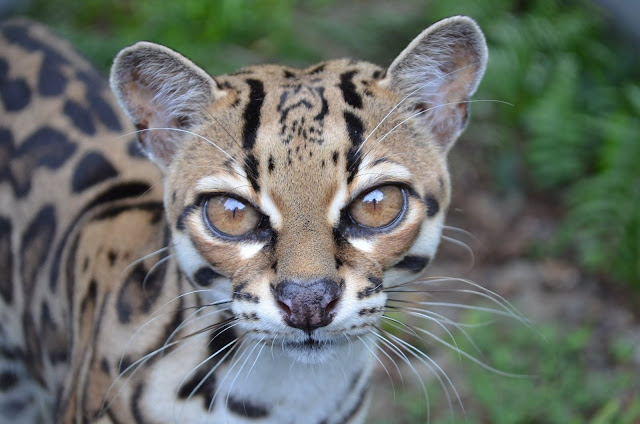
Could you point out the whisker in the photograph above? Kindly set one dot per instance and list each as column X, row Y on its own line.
column 464, row 246
column 383, row 366
column 183, row 131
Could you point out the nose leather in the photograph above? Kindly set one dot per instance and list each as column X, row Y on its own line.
column 307, row 304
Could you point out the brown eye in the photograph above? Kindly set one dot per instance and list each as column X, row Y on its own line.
column 229, row 216
column 378, row 207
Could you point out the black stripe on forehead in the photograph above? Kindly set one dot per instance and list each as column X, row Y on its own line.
column 252, row 113
column 355, row 129
column 349, row 92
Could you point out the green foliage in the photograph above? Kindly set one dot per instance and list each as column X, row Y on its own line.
column 562, row 385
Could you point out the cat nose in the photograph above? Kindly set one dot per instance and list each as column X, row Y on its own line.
column 307, row 304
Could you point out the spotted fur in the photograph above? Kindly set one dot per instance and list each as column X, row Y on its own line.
column 119, row 303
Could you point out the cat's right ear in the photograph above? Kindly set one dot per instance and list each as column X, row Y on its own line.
column 159, row 88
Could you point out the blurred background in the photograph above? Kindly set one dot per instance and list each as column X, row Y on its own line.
column 546, row 191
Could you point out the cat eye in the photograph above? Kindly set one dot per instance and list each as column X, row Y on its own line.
column 379, row 207
column 228, row 216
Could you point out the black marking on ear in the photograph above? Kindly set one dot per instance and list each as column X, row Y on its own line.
column 375, row 286
column 80, row 117
column 6, row 261
column 271, row 165
column 317, row 69
column 251, row 169
column 348, row 88
column 432, row 205
column 206, row 387
column 246, row 408
column 15, row 94
column 252, row 112
column 36, row 244
column 91, row 170
column 185, row 213
column 335, row 156
column 205, row 276
column 239, row 293
column 413, row 263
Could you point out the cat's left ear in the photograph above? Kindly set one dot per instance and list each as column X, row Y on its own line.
column 439, row 71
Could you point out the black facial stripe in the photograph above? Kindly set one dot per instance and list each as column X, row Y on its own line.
column 374, row 287
column 206, row 387
column 432, row 206
column 355, row 128
column 348, row 88
column 185, row 213
column 317, row 69
column 325, row 105
column 413, row 263
column 239, row 293
column 252, row 113
column 92, row 169
column 251, row 169
column 205, row 276
column 246, row 408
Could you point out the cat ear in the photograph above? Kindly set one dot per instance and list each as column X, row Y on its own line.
column 439, row 71
column 159, row 88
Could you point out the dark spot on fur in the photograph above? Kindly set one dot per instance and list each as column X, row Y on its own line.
column 80, row 117
column 246, row 408
column 432, row 206
column 15, row 94
column 413, row 263
column 348, row 88
column 135, row 150
column 355, row 128
column 140, row 290
column 274, row 266
column 325, row 105
column 6, row 261
column 103, row 111
column 334, row 157
column 112, row 256
column 8, row 380
column 202, row 384
column 289, row 74
column 138, row 415
column 92, row 169
column 339, row 262
column 36, row 244
column 272, row 164
column 174, row 197
column 51, row 81
column 104, row 366
column 46, row 147
column 205, row 276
